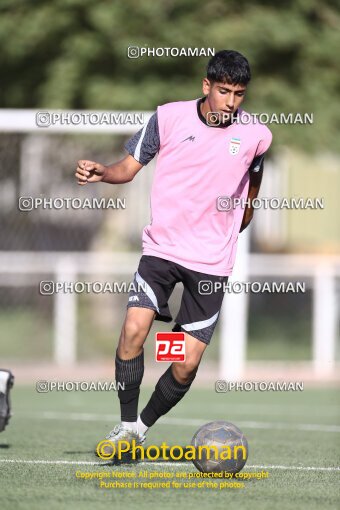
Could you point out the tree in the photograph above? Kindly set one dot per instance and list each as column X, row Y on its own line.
column 73, row 54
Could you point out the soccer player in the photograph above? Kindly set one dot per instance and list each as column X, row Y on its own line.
column 205, row 152
column 6, row 383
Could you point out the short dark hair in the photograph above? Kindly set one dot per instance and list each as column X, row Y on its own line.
column 229, row 66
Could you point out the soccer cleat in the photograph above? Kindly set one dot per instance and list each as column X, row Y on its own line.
column 119, row 433
column 6, row 383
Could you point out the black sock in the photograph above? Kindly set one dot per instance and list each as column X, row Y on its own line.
column 129, row 373
column 168, row 392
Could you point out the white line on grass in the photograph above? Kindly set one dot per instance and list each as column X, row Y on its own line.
column 85, row 463
column 164, row 464
column 276, row 409
column 53, row 462
column 306, row 427
column 298, row 468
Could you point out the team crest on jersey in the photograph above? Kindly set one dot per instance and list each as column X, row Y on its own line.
column 234, row 146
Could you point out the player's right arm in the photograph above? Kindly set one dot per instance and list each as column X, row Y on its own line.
column 142, row 148
column 117, row 173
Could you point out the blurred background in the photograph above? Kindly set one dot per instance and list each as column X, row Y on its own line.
column 72, row 55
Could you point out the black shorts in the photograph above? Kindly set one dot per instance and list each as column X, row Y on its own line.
column 154, row 282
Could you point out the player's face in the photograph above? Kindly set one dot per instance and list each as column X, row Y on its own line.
column 223, row 98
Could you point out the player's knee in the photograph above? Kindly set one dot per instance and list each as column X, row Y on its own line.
column 133, row 334
column 185, row 372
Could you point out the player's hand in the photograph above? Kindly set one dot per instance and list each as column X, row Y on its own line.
column 89, row 171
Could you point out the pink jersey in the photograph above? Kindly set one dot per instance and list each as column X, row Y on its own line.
column 196, row 165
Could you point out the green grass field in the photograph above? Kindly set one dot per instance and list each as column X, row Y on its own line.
column 290, row 435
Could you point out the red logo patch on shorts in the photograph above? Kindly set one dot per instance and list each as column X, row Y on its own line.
column 170, row 346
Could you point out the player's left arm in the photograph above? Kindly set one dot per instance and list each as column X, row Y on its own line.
column 255, row 178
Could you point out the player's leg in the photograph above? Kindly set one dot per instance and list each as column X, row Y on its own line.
column 129, row 371
column 6, row 383
column 129, row 362
column 173, row 384
column 153, row 284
